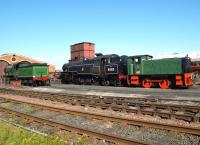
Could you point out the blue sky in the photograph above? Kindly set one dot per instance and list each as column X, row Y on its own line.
column 45, row 29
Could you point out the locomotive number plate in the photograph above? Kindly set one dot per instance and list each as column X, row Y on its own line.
column 111, row 69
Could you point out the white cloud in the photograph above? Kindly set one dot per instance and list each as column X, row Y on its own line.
column 192, row 55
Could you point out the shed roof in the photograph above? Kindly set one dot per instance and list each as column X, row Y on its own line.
column 13, row 58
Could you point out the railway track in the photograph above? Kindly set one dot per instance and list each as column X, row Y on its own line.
column 135, row 122
column 114, row 139
column 149, row 99
column 154, row 107
column 154, row 92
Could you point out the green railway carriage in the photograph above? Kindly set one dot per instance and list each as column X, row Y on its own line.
column 32, row 74
column 143, row 70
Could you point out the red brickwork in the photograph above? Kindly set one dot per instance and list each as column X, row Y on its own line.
column 83, row 50
column 13, row 58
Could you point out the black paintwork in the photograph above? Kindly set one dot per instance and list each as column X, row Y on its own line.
column 105, row 67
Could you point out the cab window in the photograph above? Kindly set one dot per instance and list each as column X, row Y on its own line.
column 115, row 60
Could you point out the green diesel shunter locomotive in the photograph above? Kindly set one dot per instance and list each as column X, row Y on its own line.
column 28, row 74
column 167, row 72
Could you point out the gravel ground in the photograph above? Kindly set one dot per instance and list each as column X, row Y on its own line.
column 107, row 112
column 149, row 135
column 42, row 129
column 177, row 94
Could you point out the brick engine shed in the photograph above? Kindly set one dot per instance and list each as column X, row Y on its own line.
column 7, row 59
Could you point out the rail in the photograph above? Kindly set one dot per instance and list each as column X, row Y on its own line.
column 170, row 127
column 94, row 134
column 189, row 113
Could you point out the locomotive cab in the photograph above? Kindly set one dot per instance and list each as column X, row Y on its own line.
column 109, row 69
column 134, row 63
column 10, row 71
column 115, row 70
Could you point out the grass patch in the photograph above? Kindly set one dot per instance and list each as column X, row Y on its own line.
column 12, row 135
column 6, row 104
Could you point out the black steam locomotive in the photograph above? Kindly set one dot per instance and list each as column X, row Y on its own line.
column 102, row 70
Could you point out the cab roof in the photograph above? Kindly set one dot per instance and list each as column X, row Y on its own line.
column 136, row 56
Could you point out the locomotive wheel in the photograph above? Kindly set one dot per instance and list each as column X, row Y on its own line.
column 34, row 84
column 165, row 84
column 146, row 83
column 105, row 83
column 117, row 83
